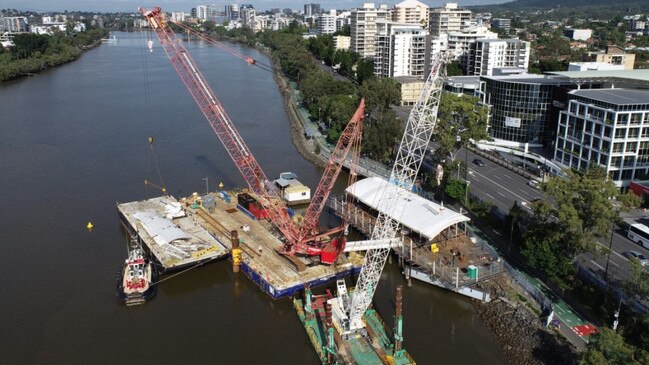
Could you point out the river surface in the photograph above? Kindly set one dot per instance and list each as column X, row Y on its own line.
column 73, row 142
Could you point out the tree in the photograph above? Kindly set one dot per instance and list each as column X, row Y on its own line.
column 516, row 217
column 608, row 348
column 637, row 284
column 380, row 136
column 380, row 93
column 461, row 119
column 364, row 70
column 454, row 69
column 456, row 189
column 582, row 213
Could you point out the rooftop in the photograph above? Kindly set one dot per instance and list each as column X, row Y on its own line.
column 423, row 216
column 615, row 96
column 632, row 76
column 528, row 79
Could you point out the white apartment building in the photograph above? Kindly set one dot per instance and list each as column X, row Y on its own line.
column 232, row 11
column 608, row 127
column 178, row 16
column 14, row 24
column 363, row 27
column 203, row 12
column 488, row 54
column 400, row 49
column 448, row 18
column 578, row 34
column 412, row 12
column 342, row 42
column 247, row 13
column 458, row 44
column 327, row 23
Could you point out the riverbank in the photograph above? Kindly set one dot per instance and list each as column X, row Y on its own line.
column 12, row 69
column 520, row 331
column 305, row 147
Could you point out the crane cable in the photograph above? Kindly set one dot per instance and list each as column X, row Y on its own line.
column 153, row 160
column 249, row 60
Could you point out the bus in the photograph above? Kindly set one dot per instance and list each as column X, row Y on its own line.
column 639, row 233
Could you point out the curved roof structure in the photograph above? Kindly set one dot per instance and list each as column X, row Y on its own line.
column 420, row 215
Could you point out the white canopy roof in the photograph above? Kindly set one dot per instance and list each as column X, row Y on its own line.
column 418, row 214
column 162, row 230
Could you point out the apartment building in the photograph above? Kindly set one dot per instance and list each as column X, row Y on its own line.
column 411, row 12
column 448, row 18
column 363, row 27
column 327, row 23
column 400, row 50
column 613, row 55
column 488, row 54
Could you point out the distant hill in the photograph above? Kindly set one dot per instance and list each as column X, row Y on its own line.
column 546, row 4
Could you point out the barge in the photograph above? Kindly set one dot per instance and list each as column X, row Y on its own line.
column 375, row 344
column 211, row 226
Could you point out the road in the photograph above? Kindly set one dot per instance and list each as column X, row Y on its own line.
column 500, row 186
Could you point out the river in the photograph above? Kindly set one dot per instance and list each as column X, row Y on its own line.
column 74, row 142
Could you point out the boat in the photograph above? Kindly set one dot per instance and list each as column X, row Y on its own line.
column 325, row 322
column 112, row 39
column 136, row 280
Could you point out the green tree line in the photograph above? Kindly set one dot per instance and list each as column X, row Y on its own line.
column 33, row 52
column 333, row 101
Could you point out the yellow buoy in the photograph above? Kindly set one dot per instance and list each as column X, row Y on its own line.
column 89, row 226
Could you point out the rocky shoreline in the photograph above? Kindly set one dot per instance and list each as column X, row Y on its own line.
column 522, row 336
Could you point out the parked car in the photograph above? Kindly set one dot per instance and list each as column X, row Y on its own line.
column 478, row 162
column 644, row 261
column 535, row 184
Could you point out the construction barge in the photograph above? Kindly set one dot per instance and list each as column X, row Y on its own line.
column 324, row 321
column 211, row 224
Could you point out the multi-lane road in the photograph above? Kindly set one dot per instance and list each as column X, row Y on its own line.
column 500, row 186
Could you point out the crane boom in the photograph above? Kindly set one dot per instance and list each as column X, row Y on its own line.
column 220, row 122
column 418, row 131
column 348, row 138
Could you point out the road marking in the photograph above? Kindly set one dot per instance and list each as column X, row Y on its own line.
column 519, row 197
column 613, row 262
column 509, row 177
column 606, row 247
column 489, row 195
column 596, row 264
column 501, row 194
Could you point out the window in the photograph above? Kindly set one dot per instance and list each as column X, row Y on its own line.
column 618, row 147
column 631, row 147
column 620, row 133
column 633, row 133
column 627, row 174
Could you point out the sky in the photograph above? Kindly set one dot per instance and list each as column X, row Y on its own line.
column 110, row 6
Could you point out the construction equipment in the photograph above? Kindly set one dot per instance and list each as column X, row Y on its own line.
column 302, row 239
column 418, row 131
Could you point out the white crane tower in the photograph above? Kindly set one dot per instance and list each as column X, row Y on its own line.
column 412, row 149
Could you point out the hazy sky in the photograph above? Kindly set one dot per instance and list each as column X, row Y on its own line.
column 184, row 5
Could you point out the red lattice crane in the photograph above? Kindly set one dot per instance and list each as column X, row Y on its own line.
column 298, row 240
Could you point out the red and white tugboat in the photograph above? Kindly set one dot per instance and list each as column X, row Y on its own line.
column 135, row 283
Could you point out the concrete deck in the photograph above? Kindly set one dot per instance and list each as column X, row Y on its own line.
column 259, row 246
column 199, row 248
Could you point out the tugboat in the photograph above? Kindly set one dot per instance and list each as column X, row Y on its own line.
column 135, row 282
